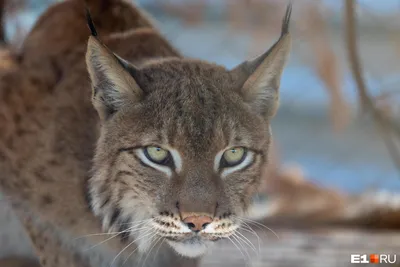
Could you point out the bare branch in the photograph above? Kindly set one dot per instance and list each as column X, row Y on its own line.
column 385, row 125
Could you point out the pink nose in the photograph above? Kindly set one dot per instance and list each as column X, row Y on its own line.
column 197, row 223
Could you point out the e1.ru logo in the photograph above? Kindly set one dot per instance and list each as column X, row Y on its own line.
column 373, row 258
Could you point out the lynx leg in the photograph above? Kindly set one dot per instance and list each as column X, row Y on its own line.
column 49, row 249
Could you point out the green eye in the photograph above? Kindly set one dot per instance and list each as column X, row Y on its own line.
column 234, row 156
column 156, row 154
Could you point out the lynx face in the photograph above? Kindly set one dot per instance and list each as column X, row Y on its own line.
column 182, row 144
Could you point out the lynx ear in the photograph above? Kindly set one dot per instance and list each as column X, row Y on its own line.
column 259, row 79
column 112, row 83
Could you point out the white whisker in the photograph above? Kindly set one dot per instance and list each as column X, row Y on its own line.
column 244, row 258
column 246, row 241
column 147, row 233
column 254, row 233
column 240, row 242
column 257, row 224
column 130, row 254
column 158, row 250
column 154, row 233
column 117, row 234
column 112, row 233
column 148, row 253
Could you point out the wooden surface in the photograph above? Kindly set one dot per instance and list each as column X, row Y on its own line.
column 307, row 248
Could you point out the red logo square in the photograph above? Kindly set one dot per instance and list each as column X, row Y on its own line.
column 374, row 258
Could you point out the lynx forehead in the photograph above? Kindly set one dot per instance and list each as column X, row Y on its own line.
column 182, row 143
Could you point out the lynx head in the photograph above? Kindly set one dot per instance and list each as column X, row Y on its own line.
column 182, row 144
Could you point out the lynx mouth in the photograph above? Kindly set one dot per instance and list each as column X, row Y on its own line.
column 192, row 247
column 193, row 239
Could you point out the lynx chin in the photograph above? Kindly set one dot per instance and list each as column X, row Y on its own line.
column 182, row 143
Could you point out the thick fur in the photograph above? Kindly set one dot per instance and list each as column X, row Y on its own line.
column 62, row 28
column 197, row 111
column 44, row 165
column 49, row 130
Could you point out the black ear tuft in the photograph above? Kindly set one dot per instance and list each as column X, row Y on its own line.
column 90, row 22
column 286, row 19
column 260, row 78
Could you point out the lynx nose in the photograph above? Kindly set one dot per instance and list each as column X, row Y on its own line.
column 197, row 223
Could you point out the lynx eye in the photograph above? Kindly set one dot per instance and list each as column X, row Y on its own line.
column 234, row 156
column 156, row 154
column 158, row 158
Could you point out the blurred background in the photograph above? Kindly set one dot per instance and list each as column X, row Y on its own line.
column 338, row 121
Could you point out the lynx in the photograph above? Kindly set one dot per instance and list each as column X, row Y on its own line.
column 182, row 143
column 171, row 159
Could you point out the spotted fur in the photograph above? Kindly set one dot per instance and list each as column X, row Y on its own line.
column 65, row 168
